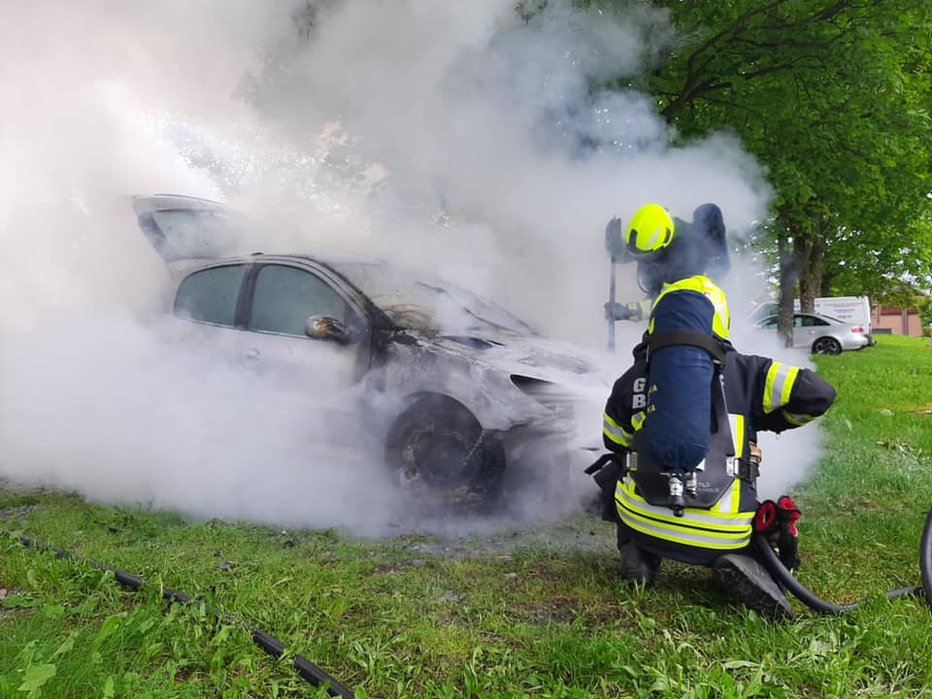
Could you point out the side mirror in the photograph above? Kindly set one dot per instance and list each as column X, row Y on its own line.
column 327, row 328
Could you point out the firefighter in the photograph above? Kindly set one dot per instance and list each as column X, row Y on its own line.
column 713, row 527
column 684, row 469
column 689, row 316
column 667, row 249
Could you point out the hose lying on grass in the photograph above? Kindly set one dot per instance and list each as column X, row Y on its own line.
column 271, row 645
column 816, row 603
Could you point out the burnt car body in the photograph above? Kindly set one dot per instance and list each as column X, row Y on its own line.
column 454, row 389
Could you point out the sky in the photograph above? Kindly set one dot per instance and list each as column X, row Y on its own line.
column 453, row 138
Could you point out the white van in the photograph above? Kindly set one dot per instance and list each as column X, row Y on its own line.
column 850, row 309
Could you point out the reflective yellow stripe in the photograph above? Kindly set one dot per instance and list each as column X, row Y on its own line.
column 788, row 385
column 735, row 496
column 688, row 530
column 796, row 419
column 614, row 432
column 721, row 319
column 737, row 433
column 637, row 420
column 686, row 538
column 729, row 518
column 779, row 385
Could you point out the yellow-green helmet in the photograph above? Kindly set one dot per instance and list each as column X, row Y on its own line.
column 650, row 230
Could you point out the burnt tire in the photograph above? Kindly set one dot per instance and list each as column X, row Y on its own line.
column 826, row 345
column 437, row 445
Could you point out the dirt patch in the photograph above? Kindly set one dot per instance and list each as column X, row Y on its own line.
column 16, row 513
column 556, row 609
column 398, row 566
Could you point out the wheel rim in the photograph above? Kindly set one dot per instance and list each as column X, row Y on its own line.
column 444, row 459
column 826, row 345
column 438, row 448
column 448, row 461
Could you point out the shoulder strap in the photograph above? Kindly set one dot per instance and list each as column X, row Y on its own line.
column 692, row 338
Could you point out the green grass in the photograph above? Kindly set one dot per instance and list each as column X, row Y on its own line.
column 402, row 618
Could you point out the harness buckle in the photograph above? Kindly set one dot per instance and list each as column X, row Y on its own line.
column 748, row 469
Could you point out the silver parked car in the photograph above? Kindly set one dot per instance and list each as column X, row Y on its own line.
column 821, row 334
column 454, row 389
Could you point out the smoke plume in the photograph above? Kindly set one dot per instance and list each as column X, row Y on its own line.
column 461, row 138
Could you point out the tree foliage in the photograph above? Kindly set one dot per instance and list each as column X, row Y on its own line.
column 834, row 97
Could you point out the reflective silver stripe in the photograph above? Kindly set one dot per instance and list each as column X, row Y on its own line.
column 611, row 430
column 730, row 501
column 652, row 241
column 685, row 538
column 683, row 535
column 779, row 383
column 737, row 433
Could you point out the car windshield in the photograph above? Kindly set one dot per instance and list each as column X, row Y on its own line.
column 420, row 304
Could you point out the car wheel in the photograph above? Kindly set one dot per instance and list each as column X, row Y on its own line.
column 438, row 445
column 826, row 345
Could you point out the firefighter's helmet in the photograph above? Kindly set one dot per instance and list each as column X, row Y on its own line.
column 649, row 231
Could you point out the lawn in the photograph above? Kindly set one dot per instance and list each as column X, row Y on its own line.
column 520, row 614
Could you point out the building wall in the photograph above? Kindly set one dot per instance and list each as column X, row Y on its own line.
column 900, row 321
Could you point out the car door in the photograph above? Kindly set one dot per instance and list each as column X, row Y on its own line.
column 806, row 328
column 315, row 374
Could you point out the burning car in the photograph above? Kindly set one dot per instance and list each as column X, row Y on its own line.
column 455, row 390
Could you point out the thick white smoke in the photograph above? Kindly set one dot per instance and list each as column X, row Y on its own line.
column 452, row 136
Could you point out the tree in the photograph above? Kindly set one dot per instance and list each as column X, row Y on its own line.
column 833, row 96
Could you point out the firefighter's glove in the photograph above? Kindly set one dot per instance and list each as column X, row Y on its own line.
column 613, row 242
column 618, row 311
column 606, row 472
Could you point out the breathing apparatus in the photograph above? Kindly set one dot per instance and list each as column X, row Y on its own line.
column 674, row 256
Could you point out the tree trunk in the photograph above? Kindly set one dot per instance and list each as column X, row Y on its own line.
column 810, row 251
column 789, row 273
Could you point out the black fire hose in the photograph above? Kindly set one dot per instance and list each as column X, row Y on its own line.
column 925, row 557
column 271, row 645
column 816, row 603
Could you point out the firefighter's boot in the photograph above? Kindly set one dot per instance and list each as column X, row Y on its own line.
column 750, row 582
column 637, row 565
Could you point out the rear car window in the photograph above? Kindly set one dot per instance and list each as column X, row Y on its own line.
column 198, row 233
column 210, row 295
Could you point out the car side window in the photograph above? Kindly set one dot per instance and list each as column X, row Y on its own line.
column 811, row 321
column 285, row 297
column 770, row 323
column 210, row 295
column 799, row 321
